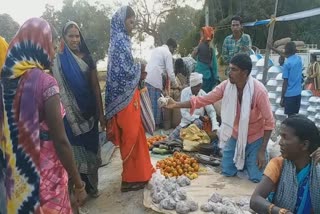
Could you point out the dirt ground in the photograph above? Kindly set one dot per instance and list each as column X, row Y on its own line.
column 111, row 199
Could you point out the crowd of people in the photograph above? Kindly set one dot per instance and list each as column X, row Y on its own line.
column 51, row 108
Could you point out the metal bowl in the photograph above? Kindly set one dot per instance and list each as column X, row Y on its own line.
column 314, row 100
column 311, row 118
column 312, row 111
column 317, row 118
column 254, row 72
column 274, row 107
column 272, row 97
column 279, row 114
column 259, row 76
column 273, row 72
column 260, row 62
column 303, row 112
column 279, row 77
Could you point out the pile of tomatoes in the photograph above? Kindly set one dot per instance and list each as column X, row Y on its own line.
column 179, row 164
column 155, row 139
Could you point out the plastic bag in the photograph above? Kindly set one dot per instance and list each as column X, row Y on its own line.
column 183, row 181
column 168, row 203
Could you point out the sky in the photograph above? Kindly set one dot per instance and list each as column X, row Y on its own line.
column 21, row 10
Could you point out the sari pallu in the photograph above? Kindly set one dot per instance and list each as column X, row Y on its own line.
column 304, row 185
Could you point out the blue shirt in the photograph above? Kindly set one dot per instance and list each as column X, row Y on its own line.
column 292, row 70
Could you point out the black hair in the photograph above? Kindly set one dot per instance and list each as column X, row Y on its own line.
column 130, row 13
column 237, row 18
column 172, row 43
column 179, row 67
column 290, row 48
column 281, row 60
column 65, row 30
column 304, row 129
column 243, row 61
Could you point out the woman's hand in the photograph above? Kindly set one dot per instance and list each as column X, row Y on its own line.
column 80, row 195
column 261, row 159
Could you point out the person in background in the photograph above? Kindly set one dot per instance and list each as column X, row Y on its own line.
column 237, row 42
column 291, row 182
column 35, row 153
column 160, row 64
column 206, row 58
column 122, row 103
column 281, row 60
column 292, row 79
column 197, row 117
column 313, row 78
column 247, row 119
column 76, row 74
column 183, row 67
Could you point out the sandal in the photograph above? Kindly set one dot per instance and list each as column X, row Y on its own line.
column 204, row 159
column 127, row 187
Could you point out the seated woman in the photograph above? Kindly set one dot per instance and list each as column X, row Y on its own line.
column 291, row 182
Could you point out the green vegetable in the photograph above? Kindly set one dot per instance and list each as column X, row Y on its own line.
column 160, row 151
column 163, row 147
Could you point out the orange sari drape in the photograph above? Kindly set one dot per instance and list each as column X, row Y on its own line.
column 127, row 132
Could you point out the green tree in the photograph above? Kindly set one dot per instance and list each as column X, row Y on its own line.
column 8, row 27
column 178, row 23
column 92, row 19
column 221, row 12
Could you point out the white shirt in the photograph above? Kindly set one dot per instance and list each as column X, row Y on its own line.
column 187, row 118
column 161, row 61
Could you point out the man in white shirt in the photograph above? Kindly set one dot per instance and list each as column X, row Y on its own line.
column 159, row 65
column 198, row 116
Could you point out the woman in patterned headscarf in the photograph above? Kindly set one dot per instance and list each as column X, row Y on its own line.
column 123, row 103
column 34, row 150
column 76, row 74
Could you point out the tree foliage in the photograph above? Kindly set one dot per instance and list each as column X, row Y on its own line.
column 150, row 16
column 92, row 19
column 221, row 12
column 8, row 27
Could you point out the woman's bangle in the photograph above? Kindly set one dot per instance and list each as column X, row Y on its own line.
column 283, row 211
column 271, row 206
column 80, row 189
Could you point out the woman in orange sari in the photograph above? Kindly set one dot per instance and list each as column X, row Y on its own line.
column 123, row 103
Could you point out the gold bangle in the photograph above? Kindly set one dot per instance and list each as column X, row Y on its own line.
column 283, row 211
column 271, row 206
column 80, row 189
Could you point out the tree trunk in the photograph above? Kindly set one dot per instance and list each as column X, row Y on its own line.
column 157, row 39
column 230, row 8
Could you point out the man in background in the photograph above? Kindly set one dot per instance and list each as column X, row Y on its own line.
column 292, row 79
column 159, row 65
column 237, row 42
